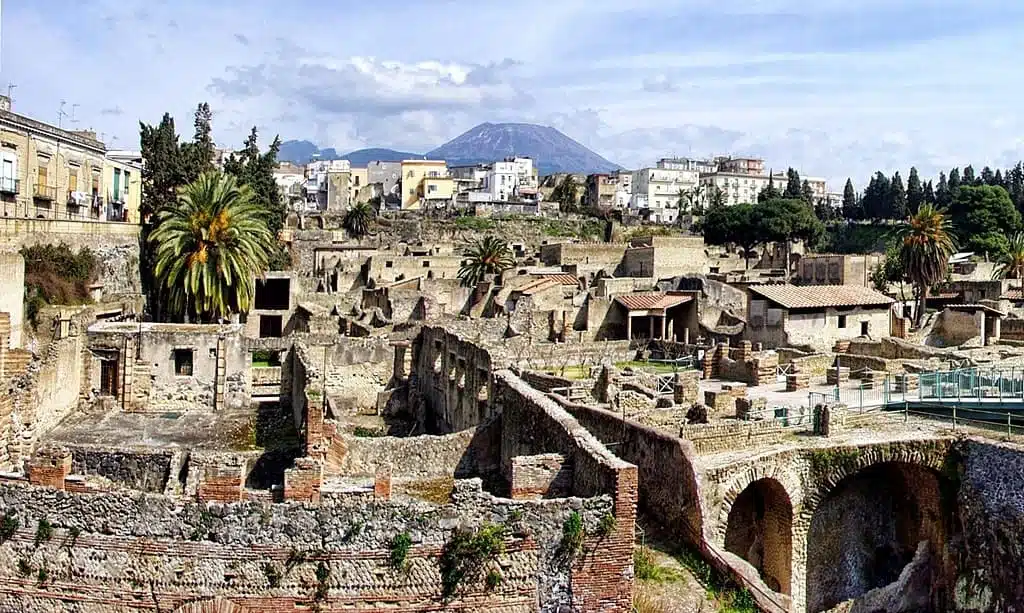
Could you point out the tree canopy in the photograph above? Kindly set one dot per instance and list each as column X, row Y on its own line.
column 984, row 217
column 749, row 225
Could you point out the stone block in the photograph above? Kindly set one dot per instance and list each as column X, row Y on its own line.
column 750, row 408
column 719, row 402
column 546, row 475
column 49, row 467
column 829, row 419
column 837, row 375
column 303, row 481
column 797, row 381
column 382, row 484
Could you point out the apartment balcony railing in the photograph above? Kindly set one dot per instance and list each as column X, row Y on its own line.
column 44, row 192
column 10, row 185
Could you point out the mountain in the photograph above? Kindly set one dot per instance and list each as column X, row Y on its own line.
column 302, row 152
column 362, row 157
column 551, row 150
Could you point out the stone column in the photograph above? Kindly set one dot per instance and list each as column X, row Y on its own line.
column 629, row 326
column 664, row 323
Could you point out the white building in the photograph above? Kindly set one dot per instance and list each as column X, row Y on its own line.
column 656, row 192
column 740, row 187
column 698, row 166
column 623, row 188
column 317, row 186
column 511, row 179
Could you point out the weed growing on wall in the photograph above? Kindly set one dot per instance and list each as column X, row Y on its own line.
column 24, row 567
column 323, row 573
column 572, row 535
column 272, row 574
column 607, row 525
column 44, row 532
column 400, row 545
column 54, row 274
column 8, row 526
column 466, row 554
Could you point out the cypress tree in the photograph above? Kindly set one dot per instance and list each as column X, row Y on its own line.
column 793, row 186
column 897, row 200
column 851, row 208
column 915, row 191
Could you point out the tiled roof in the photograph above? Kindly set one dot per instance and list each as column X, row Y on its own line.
column 651, row 301
column 820, row 296
column 535, row 287
column 975, row 307
column 563, row 278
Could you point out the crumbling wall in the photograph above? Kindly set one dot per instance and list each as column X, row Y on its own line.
column 281, row 557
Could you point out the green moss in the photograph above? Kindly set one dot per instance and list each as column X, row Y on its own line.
column 824, row 461
column 493, row 579
column 607, row 525
column 466, row 554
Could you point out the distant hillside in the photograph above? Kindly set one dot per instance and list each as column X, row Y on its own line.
column 549, row 148
column 303, row 152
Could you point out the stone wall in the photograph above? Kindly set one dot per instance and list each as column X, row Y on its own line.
column 12, row 292
column 143, row 470
column 717, row 437
column 470, row 453
column 116, row 246
column 107, row 547
column 666, row 466
column 451, row 382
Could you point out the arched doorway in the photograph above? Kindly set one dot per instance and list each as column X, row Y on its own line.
column 868, row 528
column 760, row 530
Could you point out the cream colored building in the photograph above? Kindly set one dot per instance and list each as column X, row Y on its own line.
column 50, row 173
column 424, row 182
column 740, row 187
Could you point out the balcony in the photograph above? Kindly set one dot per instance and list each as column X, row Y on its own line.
column 44, row 192
column 10, row 185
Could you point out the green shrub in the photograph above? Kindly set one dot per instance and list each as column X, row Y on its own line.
column 44, row 532
column 493, row 579
column 572, row 534
column 54, row 274
column 400, row 545
column 364, row 432
column 8, row 526
column 467, row 553
column 607, row 525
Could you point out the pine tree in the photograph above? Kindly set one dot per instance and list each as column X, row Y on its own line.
column 770, row 192
column 897, row 200
column 998, row 180
column 793, row 185
column 954, row 182
column 929, row 194
column 987, row 177
column 969, row 178
column 851, row 208
column 807, row 193
column 1015, row 185
column 915, row 191
column 162, row 173
column 256, row 169
column 197, row 156
column 943, row 197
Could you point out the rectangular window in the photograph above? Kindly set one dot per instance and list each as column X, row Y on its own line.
column 183, row 362
column 72, row 179
column 117, row 184
column 842, row 321
column 270, row 326
column 41, row 176
column 95, row 183
column 127, row 181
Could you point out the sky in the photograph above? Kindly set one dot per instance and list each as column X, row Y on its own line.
column 835, row 88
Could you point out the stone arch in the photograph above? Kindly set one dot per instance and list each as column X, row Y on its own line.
column 213, row 605
column 867, row 524
column 756, row 521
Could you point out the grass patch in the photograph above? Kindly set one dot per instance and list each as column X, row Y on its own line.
column 479, row 224
column 730, row 597
column 437, row 491
column 660, row 368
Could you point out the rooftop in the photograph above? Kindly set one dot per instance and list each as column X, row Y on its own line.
column 820, row 296
column 652, row 301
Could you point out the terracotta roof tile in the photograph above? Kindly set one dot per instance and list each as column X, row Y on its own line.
column 820, row 296
column 651, row 301
column 563, row 278
column 535, row 287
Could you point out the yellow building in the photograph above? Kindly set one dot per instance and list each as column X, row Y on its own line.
column 50, row 173
column 415, row 190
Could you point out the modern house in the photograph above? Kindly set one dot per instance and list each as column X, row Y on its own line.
column 816, row 315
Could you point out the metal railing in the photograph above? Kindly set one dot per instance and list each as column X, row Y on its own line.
column 10, row 185
column 44, row 192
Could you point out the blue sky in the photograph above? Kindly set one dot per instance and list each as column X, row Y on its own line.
column 835, row 88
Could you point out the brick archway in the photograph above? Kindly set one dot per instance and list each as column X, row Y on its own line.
column 759, row 528
column 213, row 605
column 864, row 530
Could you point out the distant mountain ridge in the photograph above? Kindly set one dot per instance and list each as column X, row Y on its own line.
column 551, row 150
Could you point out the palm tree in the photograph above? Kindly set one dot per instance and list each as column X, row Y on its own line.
column 925, row 244
column 357, row 219
column 1011, row 263
column 489, row 256
column 210, row 246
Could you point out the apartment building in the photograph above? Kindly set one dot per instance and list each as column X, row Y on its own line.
column 739, row 187
column 656, row 192
column 290, row 180
column 328, row 186
column 426, row 183
column 51, row 173
column 601, row 190
column 692, row 165
column 623, row 188
column 386, row 177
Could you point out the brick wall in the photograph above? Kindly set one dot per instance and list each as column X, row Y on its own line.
column 712, row 438
column 546, row 475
